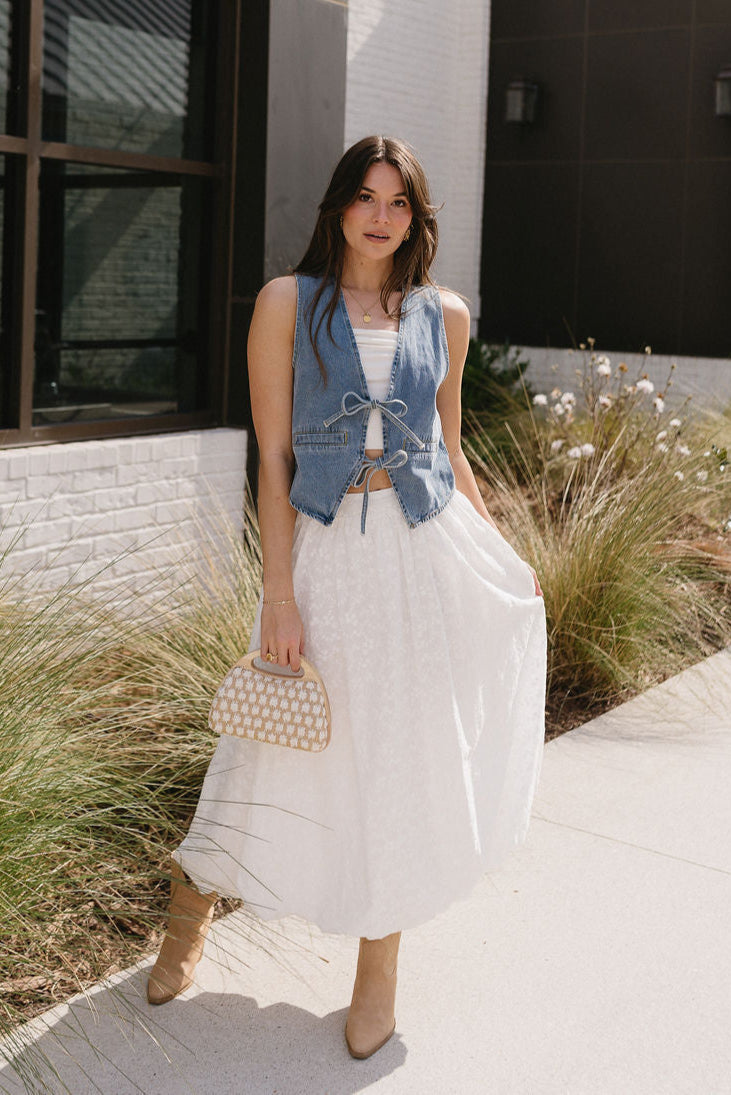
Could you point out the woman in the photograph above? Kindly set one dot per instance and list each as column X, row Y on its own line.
column 384, row 567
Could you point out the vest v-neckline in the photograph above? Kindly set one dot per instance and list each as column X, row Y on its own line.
column 354, row 342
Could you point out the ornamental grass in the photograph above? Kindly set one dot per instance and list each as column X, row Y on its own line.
column 624, row 508
column 103, row 709
column 103, row 725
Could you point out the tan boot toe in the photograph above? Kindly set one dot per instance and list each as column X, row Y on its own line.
column 359, row 1037
column 164, row 985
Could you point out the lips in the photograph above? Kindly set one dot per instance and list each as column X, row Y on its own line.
column 375, row 236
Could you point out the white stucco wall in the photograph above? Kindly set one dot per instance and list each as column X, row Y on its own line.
column 120, row 508
column 418, row 70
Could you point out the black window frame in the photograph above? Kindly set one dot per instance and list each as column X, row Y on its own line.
column 28, row 150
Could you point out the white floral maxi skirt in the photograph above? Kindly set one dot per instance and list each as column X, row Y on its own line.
column 432, row 646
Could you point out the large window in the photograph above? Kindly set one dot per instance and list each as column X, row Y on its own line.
column 116, row 133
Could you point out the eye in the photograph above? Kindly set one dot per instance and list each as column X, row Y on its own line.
column 364, row 195
column 401, row 201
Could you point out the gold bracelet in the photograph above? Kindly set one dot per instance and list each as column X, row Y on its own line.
column 289, row 601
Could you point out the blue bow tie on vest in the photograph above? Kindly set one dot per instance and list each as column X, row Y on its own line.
column 352, row 403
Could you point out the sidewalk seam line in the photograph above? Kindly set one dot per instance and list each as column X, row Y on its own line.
column 630, row 844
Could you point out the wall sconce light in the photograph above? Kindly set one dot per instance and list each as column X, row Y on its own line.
column 521, row 97
column 722, row 87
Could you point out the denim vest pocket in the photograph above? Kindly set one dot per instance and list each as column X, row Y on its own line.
column 423, row 452
column 317, row 438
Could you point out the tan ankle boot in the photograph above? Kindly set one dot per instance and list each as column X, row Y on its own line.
column 371, row 1020
column 189, row 919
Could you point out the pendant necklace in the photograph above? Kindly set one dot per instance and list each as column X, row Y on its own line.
column 367, row 317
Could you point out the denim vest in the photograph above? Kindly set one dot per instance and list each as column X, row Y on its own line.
column 329, row 423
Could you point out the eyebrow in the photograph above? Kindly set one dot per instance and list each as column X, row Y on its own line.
column 401, row 193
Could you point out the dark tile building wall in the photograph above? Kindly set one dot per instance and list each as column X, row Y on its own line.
column 610, row 216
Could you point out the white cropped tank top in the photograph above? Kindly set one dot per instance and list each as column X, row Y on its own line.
column 376, row 349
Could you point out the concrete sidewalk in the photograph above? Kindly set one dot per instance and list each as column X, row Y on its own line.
column 597, row 963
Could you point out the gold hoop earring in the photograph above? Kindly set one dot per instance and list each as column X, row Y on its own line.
column 407, row 233
column 341, row 220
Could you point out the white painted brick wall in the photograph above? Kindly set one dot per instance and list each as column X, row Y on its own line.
column 707, row 380
column 69, row 510
column 418, row 70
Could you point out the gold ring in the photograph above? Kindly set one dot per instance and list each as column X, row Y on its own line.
column 272, row 655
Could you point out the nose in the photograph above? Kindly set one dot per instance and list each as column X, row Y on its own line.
column 380, row 211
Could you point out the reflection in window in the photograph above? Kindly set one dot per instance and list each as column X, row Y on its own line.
column 4, row 62
column 127, row 75
column 118, row 331
column 11, row 177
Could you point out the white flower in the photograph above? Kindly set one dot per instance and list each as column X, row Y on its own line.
column 540, row 400
column 662, row 435
column 702, row 476
column 559, row 409
column 659, row 404
column 645, row 385
column 683, row 450
column 675, row 422
column 568, row 399
column 575, row 453
column 557, row 445
column 604, row 401
column 679, row 475
column 604, row 369
column 587, row 449
column 602, row 360
column 662, row 447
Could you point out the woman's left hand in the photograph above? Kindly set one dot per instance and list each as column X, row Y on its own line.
column 536, row 583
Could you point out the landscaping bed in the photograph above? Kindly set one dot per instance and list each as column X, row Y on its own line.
column 622, row 506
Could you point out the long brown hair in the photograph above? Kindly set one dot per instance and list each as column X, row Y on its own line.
column 326, row 250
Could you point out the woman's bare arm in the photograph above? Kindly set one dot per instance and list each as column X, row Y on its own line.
column 449, row 399
column 269, row 350
column 449, row 404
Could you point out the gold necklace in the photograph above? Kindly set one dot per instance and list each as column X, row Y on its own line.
column 367, row 317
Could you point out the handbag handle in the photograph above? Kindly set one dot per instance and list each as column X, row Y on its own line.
column 274, row 669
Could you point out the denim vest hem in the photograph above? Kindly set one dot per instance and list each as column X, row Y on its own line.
column 433, row 513
column 328, row 520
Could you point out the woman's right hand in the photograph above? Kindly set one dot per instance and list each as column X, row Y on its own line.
column 282, row 634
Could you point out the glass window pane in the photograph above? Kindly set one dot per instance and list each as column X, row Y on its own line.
column 4, row 64
column 128, row 75
column 12, row 171
column 119, row 327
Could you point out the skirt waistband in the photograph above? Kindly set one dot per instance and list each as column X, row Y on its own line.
column 357, row 496
column 383, row 506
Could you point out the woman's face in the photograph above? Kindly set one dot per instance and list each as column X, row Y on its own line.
column 374, row 224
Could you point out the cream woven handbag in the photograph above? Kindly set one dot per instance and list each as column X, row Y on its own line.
column 268, row 702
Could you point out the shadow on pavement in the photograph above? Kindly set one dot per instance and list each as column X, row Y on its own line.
column 113, row 1042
